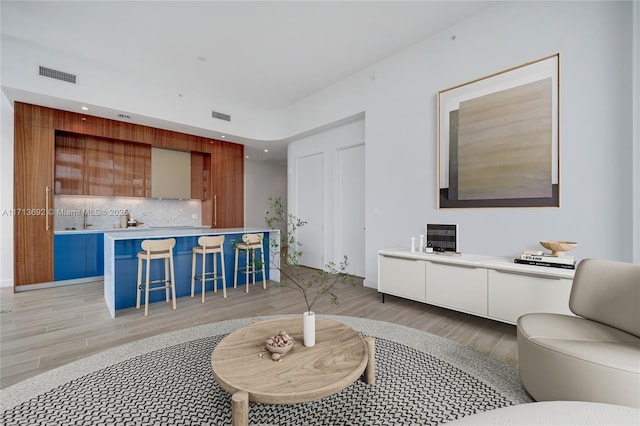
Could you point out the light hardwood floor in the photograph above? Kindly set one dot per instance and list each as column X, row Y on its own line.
column 44, row 329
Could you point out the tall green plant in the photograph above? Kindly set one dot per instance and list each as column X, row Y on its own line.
column 288, row 224
column 312, row 284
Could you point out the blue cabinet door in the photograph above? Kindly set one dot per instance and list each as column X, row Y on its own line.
column 69, row 258
column 78, row 256
column 95, row 254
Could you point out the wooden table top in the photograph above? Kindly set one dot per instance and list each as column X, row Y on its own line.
column 304, row 374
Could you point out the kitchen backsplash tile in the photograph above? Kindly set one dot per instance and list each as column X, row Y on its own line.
column 105, row 212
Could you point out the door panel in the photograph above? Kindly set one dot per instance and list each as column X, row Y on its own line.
column 310, row 207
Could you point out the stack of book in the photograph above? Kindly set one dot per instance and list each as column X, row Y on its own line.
column 538, row 258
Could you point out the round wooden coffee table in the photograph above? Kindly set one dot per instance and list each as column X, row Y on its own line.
column 338, row 359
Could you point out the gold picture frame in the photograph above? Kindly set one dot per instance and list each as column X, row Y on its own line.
column 499, row 139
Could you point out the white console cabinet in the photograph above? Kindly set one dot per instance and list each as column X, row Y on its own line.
column 485, row 286
column 403, row 277
column 459, row 287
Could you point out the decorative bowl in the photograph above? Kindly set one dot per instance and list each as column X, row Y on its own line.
column 558, row 248
column 279, row 349
column 281, row 343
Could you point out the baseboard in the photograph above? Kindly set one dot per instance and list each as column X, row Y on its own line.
column 370, row 284
column 76, row 281
column 6, row 283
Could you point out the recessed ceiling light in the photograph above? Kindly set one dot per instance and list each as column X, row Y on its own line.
column 266, row 150
column 222, row 136
column 84, row 108
column 246, row 156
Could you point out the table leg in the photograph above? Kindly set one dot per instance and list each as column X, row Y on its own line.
column 370, row 371
column 240, row 409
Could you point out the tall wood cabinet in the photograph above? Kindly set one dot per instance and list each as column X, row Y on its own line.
column 227, row 166
column 32, row 200
column 98, row 156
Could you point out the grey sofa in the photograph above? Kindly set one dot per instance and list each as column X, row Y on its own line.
column 595, row 355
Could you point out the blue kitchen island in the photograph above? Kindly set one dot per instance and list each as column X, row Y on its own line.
column 121, row 261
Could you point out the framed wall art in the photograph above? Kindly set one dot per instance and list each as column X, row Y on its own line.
column 498, row 139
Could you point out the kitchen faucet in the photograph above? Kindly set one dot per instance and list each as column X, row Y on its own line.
column 85, row 225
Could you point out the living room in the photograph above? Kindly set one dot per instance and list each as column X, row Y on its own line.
column 391, row 106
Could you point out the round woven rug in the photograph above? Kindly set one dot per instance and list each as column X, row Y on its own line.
column 421, row 379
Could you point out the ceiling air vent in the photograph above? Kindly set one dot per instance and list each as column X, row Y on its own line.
column 220, row 116
column 124, row 116
column 58, row 75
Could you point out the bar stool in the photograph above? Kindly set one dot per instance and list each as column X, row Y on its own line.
column 156, row 249
column 251, row 243
column 208, row 245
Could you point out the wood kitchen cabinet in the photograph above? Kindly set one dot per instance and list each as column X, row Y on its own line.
column 96, row 166
column 227, row 168
column 99, row 156
column 99, row 167
column 200, row 175
column 33, row 204
column 69, row 165
column 131, row 170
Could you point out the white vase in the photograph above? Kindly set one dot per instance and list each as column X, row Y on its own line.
column 309, row 330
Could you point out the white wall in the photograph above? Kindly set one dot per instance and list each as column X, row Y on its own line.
column 594, row 41
column 328, row 143
column 6, row 193
column 262, row 179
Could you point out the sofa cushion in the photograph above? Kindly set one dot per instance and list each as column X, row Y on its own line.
column 584, row 339
column 570, row 358
column 608, row 292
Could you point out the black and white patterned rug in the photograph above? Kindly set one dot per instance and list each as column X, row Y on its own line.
column 421, row 379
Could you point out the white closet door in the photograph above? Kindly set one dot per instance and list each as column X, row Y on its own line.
column 351, row 208
column 310, row 207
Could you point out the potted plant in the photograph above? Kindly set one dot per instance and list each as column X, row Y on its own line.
column 312, row 284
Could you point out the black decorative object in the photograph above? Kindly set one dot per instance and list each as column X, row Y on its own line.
column 442, row 237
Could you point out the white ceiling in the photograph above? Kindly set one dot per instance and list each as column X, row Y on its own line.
column 260, row 55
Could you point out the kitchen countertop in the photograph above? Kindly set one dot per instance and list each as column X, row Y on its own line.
column 132, row 229
column 169, row 232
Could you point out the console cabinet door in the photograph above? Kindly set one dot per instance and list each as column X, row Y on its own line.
column 459, row 287
column 402, row 277
column 512, row 294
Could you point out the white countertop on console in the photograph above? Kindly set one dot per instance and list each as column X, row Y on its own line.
column 490, row 262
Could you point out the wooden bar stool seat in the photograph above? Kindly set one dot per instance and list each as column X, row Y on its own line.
column 151, row 250
column 213, row 246
column 250, row 243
